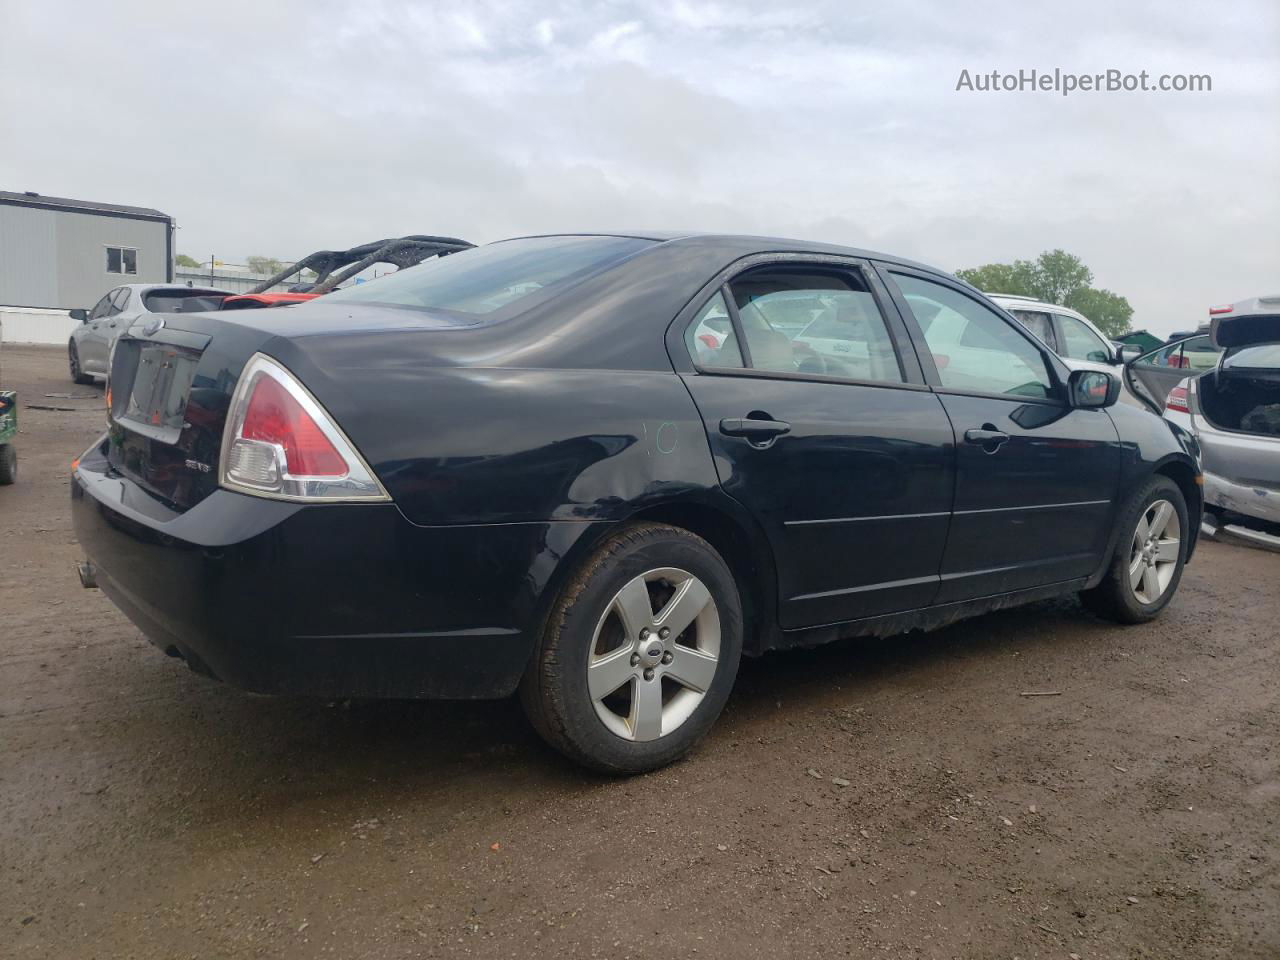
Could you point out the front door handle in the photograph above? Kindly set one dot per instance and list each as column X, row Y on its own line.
column 988, row 436
column 756, row 431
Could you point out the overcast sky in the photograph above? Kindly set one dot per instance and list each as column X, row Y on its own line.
column 279, row 128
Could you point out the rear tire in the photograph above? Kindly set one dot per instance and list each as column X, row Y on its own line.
column 1149, row 556
column 73, row 364
column 639, row 653
column 8, row 464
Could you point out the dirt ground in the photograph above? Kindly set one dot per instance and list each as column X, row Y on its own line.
column 146, row 812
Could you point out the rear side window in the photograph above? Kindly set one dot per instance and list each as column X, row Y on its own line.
column 806, row 321
column 973, row 347
column 1038, row 323
column 484, row 280
column 710, row 337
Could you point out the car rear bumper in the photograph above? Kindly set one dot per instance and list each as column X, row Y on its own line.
column 1262, row 503
column 335, row 600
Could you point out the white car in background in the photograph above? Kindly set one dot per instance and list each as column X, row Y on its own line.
column 1071, row 335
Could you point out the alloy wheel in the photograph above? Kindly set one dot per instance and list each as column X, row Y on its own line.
column 654, row 654
column 75, row 363
column 1155, row 551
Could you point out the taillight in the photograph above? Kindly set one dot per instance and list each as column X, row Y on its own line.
column 274, row 417
column 1177, row 400
column 279, row 442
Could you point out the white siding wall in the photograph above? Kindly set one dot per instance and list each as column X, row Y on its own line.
column 33, row 325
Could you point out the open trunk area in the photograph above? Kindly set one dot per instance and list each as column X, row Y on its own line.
column 1243, row 403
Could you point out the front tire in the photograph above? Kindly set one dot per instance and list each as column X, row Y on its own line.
column 639, row 653
column 8, row 464
column 1149, row 556
column 73, row 365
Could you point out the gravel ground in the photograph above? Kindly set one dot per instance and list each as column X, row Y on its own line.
column 898, row 798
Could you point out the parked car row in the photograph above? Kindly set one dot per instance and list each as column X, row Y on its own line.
column 598, row 469
column 1224, row 389
column 90, row 344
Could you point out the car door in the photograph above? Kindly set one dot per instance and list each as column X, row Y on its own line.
column 1154, row 374
column 124, row 307
column 1035, row 477
column 92, row 344
column 847, row 464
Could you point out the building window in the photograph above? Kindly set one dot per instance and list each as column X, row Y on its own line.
column 122, row 260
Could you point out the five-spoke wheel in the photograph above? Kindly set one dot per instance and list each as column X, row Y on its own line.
column 1150, row 552
column 654, row 654
column 640, row 652
column 1155, row 551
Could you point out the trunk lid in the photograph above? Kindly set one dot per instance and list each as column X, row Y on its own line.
column 172, row 377
column 168, row 389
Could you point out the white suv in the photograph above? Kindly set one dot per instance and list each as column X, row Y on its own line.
column 1069, row 334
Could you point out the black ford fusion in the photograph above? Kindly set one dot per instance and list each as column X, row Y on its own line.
column 600, row 469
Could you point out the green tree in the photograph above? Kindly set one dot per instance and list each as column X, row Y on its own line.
column 1059, row 275
column 1109, row 311
column 1018, row 278
column 183, row 260
column 265, row 265
column 1055, row 277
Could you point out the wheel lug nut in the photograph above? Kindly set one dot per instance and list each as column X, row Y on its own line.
column 635, row 658
column 664, row 633
column 648, row 673
column 667, row 657
column 644, row 634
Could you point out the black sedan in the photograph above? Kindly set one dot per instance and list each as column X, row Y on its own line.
column 598, row 469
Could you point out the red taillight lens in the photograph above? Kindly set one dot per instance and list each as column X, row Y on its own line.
column 1177, row 400
column 711, row 342
column 274, row 416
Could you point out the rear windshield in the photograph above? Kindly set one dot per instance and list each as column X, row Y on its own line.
column 1263, row 355
column 183, row 301
column 485, row 279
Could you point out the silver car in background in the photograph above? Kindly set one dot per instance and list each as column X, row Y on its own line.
column 1233, row 409
column 90, row 345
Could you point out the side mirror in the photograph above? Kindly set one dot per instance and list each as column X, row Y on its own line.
column 80, row 314
column 1127, row 352
column 1093, row 388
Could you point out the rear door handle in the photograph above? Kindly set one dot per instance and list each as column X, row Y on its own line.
column 754, row 430
column 988, row 437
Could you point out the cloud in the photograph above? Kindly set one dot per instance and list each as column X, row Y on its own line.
column 291, row 126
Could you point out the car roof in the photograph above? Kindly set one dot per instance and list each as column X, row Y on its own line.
column 1028, row 301
column 746, row 244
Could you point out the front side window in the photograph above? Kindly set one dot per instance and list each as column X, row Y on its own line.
column 122, row 260
column 1081, row 343
column 101, row 308
column 1197, row 353
column 973, row 347
column 120, row 300
column 484, row 280
column 798, row 320
column 711, row 339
